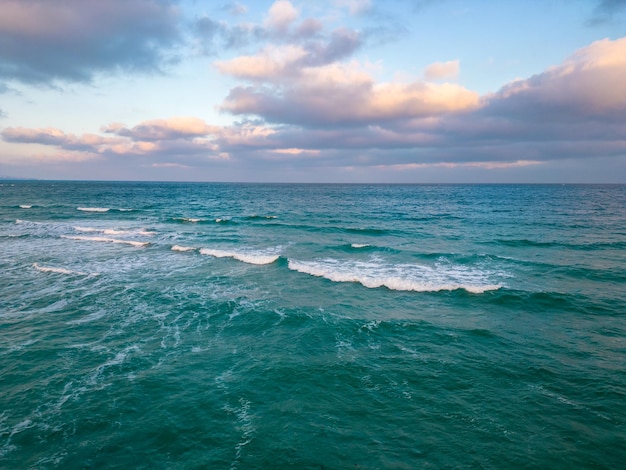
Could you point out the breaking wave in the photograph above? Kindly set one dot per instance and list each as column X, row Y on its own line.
column 50, row 269
column 260, row 257
column 107, row 240
column 107, row 231
column 182, row 248
column 94, row 209
column 400, row 277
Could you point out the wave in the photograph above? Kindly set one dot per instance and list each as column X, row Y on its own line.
column 106, row 240
column 188, row 220
column 107, row 231
column 25, row 206
column 400, row 277
column 27, row 222
column 224, row 221
column 94, row 209
column 182, row 248
column 50, row 269
column 261, row 257
column 360, row 245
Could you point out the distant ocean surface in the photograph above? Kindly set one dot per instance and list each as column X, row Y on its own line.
column 171, row 325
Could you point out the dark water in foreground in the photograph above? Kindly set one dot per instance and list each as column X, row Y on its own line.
column 312, row 326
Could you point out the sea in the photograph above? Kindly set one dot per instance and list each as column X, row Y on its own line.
column 312, row 326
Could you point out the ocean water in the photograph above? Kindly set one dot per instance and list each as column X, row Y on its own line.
column 171, row 325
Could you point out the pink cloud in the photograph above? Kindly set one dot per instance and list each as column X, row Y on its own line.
column 164, row 129
column 281, row 15
column 590, row 82
column 346, row 94
column 442, row 70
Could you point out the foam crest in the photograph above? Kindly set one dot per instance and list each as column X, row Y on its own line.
column 106, row 240
column 400, row 277
column 94, row 209
column 360, row 245
column 50, row 269
column 182, row 248
column 108, row 231
column 189, row 220
column 25, row 206
column 27, row 222
column 261, row 257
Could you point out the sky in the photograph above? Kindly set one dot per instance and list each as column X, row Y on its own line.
column 393, row 91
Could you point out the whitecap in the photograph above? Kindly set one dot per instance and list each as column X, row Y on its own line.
column 400, row 277
column 359, row 245
column 260, row 257
column 25, row 206
column 93, row 209
column 27, row 222
column 182, row 248
column 190, row 220
column 51, row 269
column 108, row 231
column 106, row 240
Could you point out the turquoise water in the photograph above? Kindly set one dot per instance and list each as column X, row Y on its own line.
column 147, row 325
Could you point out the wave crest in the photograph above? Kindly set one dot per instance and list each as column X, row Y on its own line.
column 261, row 257
column 50, row 269
column 400, row 277
column 106, row 240
column 93, row 209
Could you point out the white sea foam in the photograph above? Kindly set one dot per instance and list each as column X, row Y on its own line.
column 360, row 245
column 25, row 206
column 50, row 269
column 401, row 277
column 126, row 210
column 94, row 209
column 106, row 240
column 182, row 248
column 259, row 257
column 108, row 231
column 28, row 222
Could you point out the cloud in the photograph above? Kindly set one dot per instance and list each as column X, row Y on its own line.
column 159, row 138
column 442, row 70
column 163, row 129
column 574, row 110
column 43, row 41
column 355, row 7
column 606, row 10
column 302, row 114
column 341, row 94
column 282, row 62
column 280, row 28
column 236, row 8
column 281, row 16
column 590, row 84
column 56, row 137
